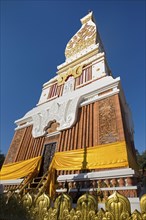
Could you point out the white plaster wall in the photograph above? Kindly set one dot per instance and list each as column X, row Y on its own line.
column 64, row 109
column 98, row 70
column 69, row 85
column 44, row 95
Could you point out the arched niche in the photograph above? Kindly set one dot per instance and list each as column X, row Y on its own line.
column 52, row 127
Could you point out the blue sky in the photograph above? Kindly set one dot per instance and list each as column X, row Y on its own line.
column 34, row 35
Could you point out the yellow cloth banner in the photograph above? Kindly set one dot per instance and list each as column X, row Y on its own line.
column 20, row 169
column 100, row 157
column 105, row 156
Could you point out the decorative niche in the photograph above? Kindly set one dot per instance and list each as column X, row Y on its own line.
column 52, row 127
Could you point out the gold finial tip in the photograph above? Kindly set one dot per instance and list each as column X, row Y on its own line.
column 87, row 17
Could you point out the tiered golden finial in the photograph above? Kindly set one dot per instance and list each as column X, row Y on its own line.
column 84, row 38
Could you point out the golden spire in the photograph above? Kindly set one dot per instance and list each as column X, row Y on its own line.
column 84, row 38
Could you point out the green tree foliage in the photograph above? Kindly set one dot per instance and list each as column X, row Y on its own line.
column 2, row 158
column 141, row 158
column 13, row 209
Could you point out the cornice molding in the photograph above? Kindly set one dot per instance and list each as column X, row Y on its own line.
column 87, row 57
column 64, row 109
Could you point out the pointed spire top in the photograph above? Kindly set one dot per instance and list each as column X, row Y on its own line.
column 88, row 17
column 84, row 38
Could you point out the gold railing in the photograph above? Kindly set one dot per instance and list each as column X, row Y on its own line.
column 117, row 207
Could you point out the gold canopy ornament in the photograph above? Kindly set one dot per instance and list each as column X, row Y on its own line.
column 84, row 38
column 75, row 72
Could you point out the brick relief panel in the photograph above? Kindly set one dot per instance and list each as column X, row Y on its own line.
column 10, row 158
column 108, row 131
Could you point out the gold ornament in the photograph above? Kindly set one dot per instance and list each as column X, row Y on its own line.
column 27, row 201
column 118, row 205
column 75, row 72
column 84, row 38
column 143, row 204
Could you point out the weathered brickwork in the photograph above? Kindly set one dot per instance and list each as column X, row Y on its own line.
column 14, row 147
column 110, row 121
column 98, row 123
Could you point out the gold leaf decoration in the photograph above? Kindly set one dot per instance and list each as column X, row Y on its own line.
column 27, row 201
column 143, row 204
column 117, row 207
column 62, row 203
column 108, row 131
column 75, row 72
column 117, row 204
column 84, row 38
column 136, row 215
column 42, row 205
column 88, row 201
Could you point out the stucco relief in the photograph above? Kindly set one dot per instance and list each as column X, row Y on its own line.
column 10, row 158
column 85, row 37
column 63, row 112
column 108, row 131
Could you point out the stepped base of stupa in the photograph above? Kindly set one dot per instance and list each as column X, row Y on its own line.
column 102, row 184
